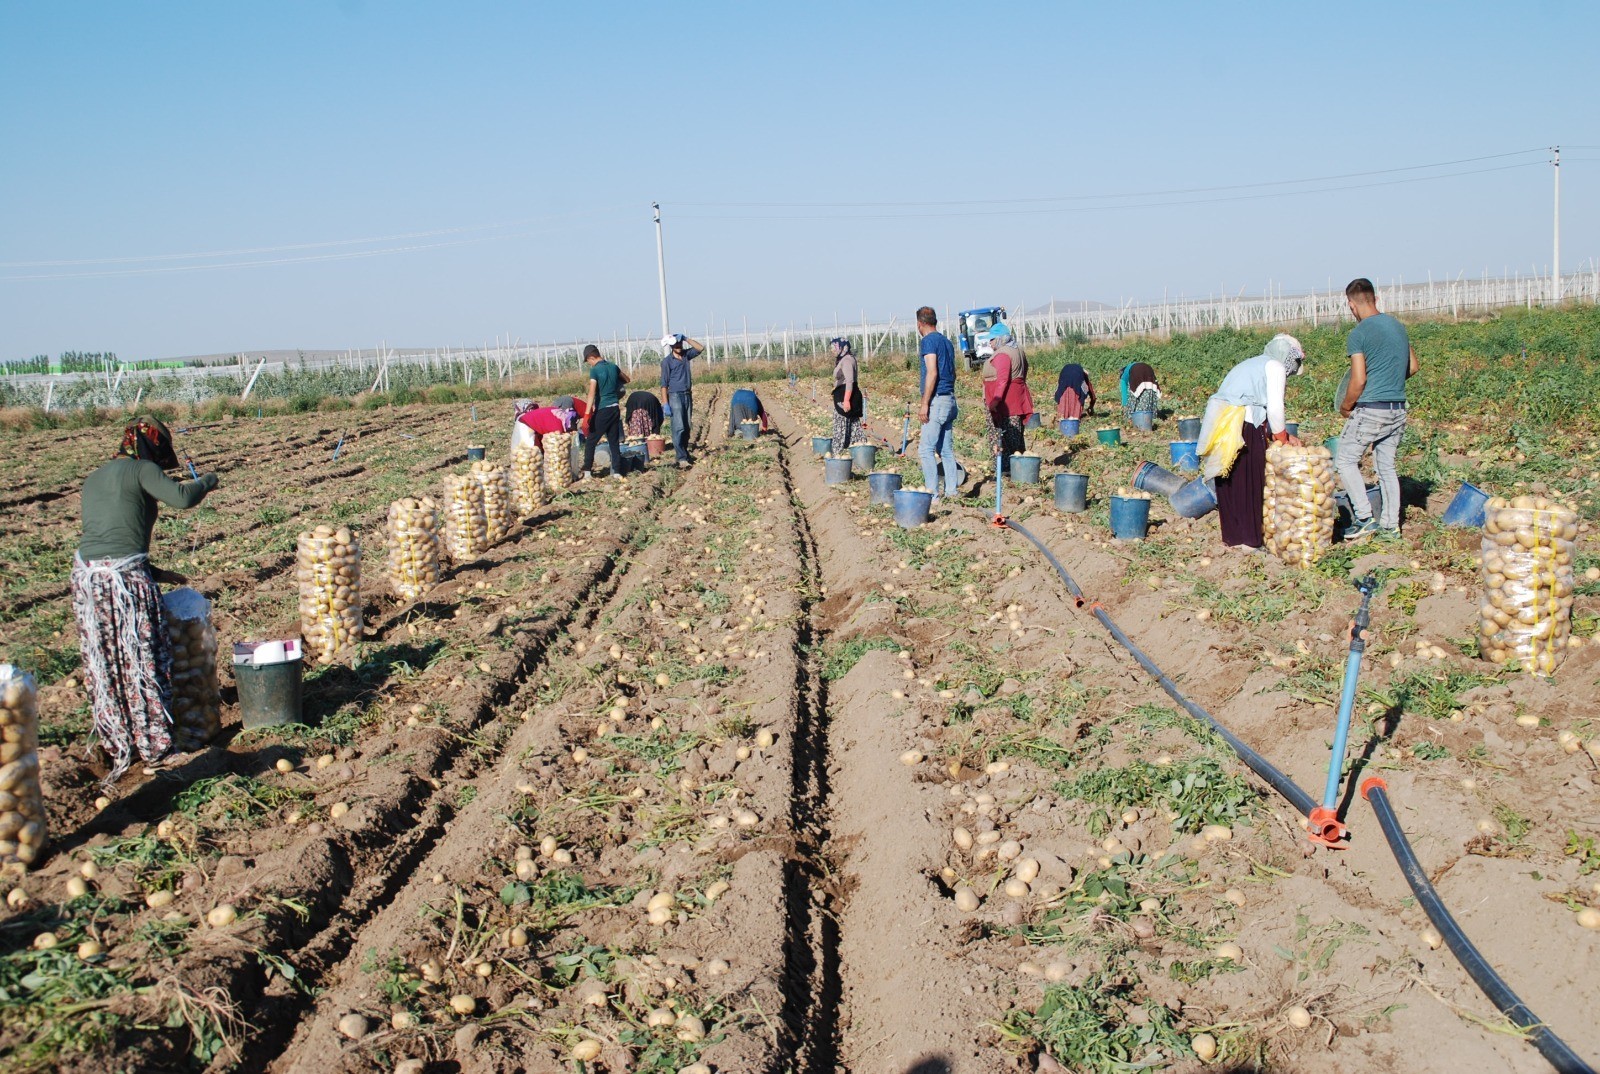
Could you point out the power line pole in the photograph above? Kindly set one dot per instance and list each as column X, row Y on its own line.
column 1556, row 268
column 661, row 271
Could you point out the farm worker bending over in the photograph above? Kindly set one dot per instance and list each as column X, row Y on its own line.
column 679, row 386
column 1006, row 395
column 1074, row 393
column 1246, row 409
column 644, row 415
column 1140, row 393
column 1381, row 361
column 605, row 410
column 745, row 406
column 849, row 403
column 938, row 411
column 127, row 661
column 534, row 423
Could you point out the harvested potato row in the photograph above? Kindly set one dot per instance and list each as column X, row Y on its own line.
column 413, row 546
column 527, row 479
column 558, row 461
column 196, row 700
column 496, row 499
column 466, row 529
column 1299, row 509
column 22, row 819
column 1525, row 614
column 329, row 573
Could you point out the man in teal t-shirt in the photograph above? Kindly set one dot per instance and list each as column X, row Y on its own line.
column 1374, row 405
column 938, row 411
column 605, row 415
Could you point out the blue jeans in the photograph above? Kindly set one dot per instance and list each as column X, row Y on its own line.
column 938, row 442
column 682, row 404
column 1380, row 430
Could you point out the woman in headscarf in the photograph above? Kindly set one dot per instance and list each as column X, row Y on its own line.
column 1141, row 394
column 1074, row 393
column 849, row 405
column 537, row 421
column 522, row 435
column 644, row 414
column 1005, row 394
column 127, row 661
column 1245, row 412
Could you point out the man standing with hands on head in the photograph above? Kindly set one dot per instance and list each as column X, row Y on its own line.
column 679, row 351
column 1374, row 404
column 938, row 410
column 605, row 413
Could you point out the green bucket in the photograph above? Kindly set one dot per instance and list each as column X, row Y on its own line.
column 1109, row 437
column 269, row 691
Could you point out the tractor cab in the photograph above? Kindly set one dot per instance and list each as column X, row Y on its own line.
column 974, row 326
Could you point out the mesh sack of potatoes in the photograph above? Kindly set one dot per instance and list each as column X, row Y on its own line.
column 558, row 461
column 496, row 499
column 413, row 546
column 1525, row 615
column 466, row 530
column 196, row 701
column 1299, row 510
column 21, row 802
column 527, row 479
column 329, row 573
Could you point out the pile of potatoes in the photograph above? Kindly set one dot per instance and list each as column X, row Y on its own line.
column 1125, row 492
column 329, row 573
column 558, row 461
column 527, row 479
column 466, row 529
column 1299, row 509
column 1526, row 611
column 496, row 499
column 413, row 546
column 196, row 701
column 21, row 803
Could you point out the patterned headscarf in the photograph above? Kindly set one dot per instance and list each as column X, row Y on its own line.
column 150, row 440
column 841, row 347
column 520, row 407
column 1286, row 349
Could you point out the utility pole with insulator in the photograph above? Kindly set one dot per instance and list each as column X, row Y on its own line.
column 661, row 271
column 1556, row 268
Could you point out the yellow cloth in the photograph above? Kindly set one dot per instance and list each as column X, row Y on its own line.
column 1224, row 443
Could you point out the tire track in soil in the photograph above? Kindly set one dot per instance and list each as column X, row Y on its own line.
column 812, row 983
column 338, row 943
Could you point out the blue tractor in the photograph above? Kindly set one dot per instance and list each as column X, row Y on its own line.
column 975, row 325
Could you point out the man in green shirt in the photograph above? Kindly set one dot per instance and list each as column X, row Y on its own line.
column 605, row 415
column 1374, row 406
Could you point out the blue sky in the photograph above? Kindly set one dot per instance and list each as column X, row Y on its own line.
column 810, row 160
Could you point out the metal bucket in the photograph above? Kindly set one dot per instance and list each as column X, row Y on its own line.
column 1032, row 422
column 882, row 486
column 749, row 429
column 836, row 471
column 822, row 444
column 1130, row 518
column 1189, row 428
column 911, row 509
column 269, row 692
column 1072, row 492
column 1143, row 419
column 1025, row 469
column 864, row 457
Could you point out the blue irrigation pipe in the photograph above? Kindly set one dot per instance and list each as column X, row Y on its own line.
column 338, row 447
column 1552, row 1047
column 1325, row 826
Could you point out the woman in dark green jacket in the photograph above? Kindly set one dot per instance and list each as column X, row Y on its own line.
column 127, row 662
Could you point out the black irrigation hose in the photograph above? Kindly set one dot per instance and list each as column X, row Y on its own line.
column 1552, row 1047
column 1256, row 763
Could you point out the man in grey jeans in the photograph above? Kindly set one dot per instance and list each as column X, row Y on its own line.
column 679, row 351
column 1374, row 405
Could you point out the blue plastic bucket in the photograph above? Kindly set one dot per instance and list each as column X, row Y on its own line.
column 475, row 454
column 822, row 444
column 1185, row 454
column 1032, row 422
column 1292, row 428
column 911, row 508
column 1332, row 444
column 1109, row 437
column 1143, row 419
column 864, row 457
column 1466, row 507
column 1188, row 428
column 749, row 429
column 1072, row 492
column 1067, row 426
column 882, row 486
column 1025, row 469
column 1342, row 504
column 1152, row 478
column 1195, row 499
column 1130, row 518
column 836, row 471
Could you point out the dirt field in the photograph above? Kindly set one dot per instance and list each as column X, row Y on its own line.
column 693, row 767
